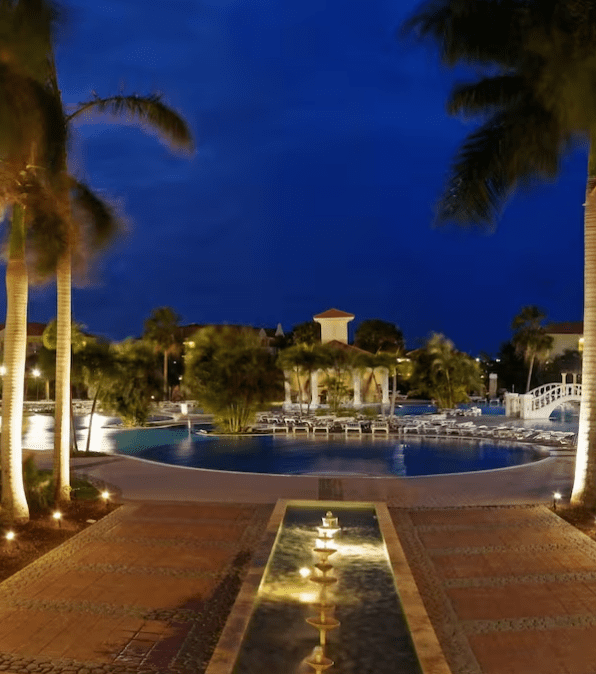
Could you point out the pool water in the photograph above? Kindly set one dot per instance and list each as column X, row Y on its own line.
column 332, row 456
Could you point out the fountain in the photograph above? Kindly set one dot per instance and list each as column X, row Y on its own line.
column 324, row 621
column 270, row 627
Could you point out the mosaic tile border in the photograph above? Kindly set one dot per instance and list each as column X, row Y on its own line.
column 447, row 627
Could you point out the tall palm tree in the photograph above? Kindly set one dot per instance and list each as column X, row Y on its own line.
column 530, row 338
column 153, row 115
column 31, row 133
column 535, row 97
column 162, row 328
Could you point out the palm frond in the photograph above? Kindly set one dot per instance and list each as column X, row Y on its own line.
column 481, row 31
column 147, row 110
column 487, row 95
column 27, row 31
column 94, row 214
column 511, row 149
column 47, row 226
column 32, row 127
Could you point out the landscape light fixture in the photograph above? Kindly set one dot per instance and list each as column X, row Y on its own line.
column 304, row 572
column 2, row 370
column 105, row 495
column 556, row 497
column 57, row 515
column 9, row 535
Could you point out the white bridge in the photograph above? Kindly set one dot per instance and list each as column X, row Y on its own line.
column 539, row 403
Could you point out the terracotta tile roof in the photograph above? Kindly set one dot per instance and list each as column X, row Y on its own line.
column 33, row 329
column 342, row 346
column 570, row 328
column 334, row 313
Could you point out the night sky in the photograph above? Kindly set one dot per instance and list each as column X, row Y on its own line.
column 323, row 143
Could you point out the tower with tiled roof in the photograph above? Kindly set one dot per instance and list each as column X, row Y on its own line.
column 334, row 325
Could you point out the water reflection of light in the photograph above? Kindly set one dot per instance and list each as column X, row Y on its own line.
column 184, row 448
column 39, row 432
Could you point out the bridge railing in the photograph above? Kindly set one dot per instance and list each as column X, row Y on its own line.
column 549, row 393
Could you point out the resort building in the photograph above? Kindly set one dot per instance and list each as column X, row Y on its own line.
column 566, row 336
column 34, row 337
column 362, row 384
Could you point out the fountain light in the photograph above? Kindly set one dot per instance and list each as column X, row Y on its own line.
column 324, row 621
column 556, row 497
column 304, row 572
column 318, row 660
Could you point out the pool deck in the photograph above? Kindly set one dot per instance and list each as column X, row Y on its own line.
column 509, row 587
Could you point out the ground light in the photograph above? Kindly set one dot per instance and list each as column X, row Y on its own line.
column 105, row 495
column 57, row 515
column 556, row 497
column 10, row 535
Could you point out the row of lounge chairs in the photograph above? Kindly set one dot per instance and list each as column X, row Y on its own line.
column 436, row 425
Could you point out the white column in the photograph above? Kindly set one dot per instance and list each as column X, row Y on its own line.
column 314, row 389
column 385, row 386
column 357, row 388
column 288, row 392
column 564, row 378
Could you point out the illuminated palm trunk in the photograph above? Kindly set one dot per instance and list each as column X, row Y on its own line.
column 14, row 503
column 584, row 486
column 63, row 348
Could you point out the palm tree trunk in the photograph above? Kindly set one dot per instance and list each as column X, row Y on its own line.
column 14, row 502
column 91, row 419
column 63, row 348
column 393, row 395
column 584, row 485
column 530, row 373
column 165, row 375
column 299, row 391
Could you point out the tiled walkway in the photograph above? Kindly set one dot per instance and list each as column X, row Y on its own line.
column 135, row 592
column 509, row 590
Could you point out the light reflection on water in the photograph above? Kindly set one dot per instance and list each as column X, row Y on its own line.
column 373, row 635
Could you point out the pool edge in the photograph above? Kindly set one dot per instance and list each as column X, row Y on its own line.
column 426, row 644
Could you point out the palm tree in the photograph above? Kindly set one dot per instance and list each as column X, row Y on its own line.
column 530, row 338
column 153, row 115
column 535, row 96
column 162, row 328
column 32, row 131
column 445, row 374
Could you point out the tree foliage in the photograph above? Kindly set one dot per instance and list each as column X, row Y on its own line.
column 375, row 335
column 132, row 382
column 308, row 333
column 162, row 328
column 231, row 375
column 533, row 93
column 530, row 338
column 444, row 374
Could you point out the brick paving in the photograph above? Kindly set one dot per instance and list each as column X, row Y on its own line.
column 145, row 590
column 510, row 590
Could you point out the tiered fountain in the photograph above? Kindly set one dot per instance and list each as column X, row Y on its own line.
column 324, row 548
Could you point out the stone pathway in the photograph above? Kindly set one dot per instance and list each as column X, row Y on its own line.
column 510, row 590
column 143, row 590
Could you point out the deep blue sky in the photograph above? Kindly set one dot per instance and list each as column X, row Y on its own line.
column 322, row 144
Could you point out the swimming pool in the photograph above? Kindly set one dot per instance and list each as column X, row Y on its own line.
column 333, row 456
